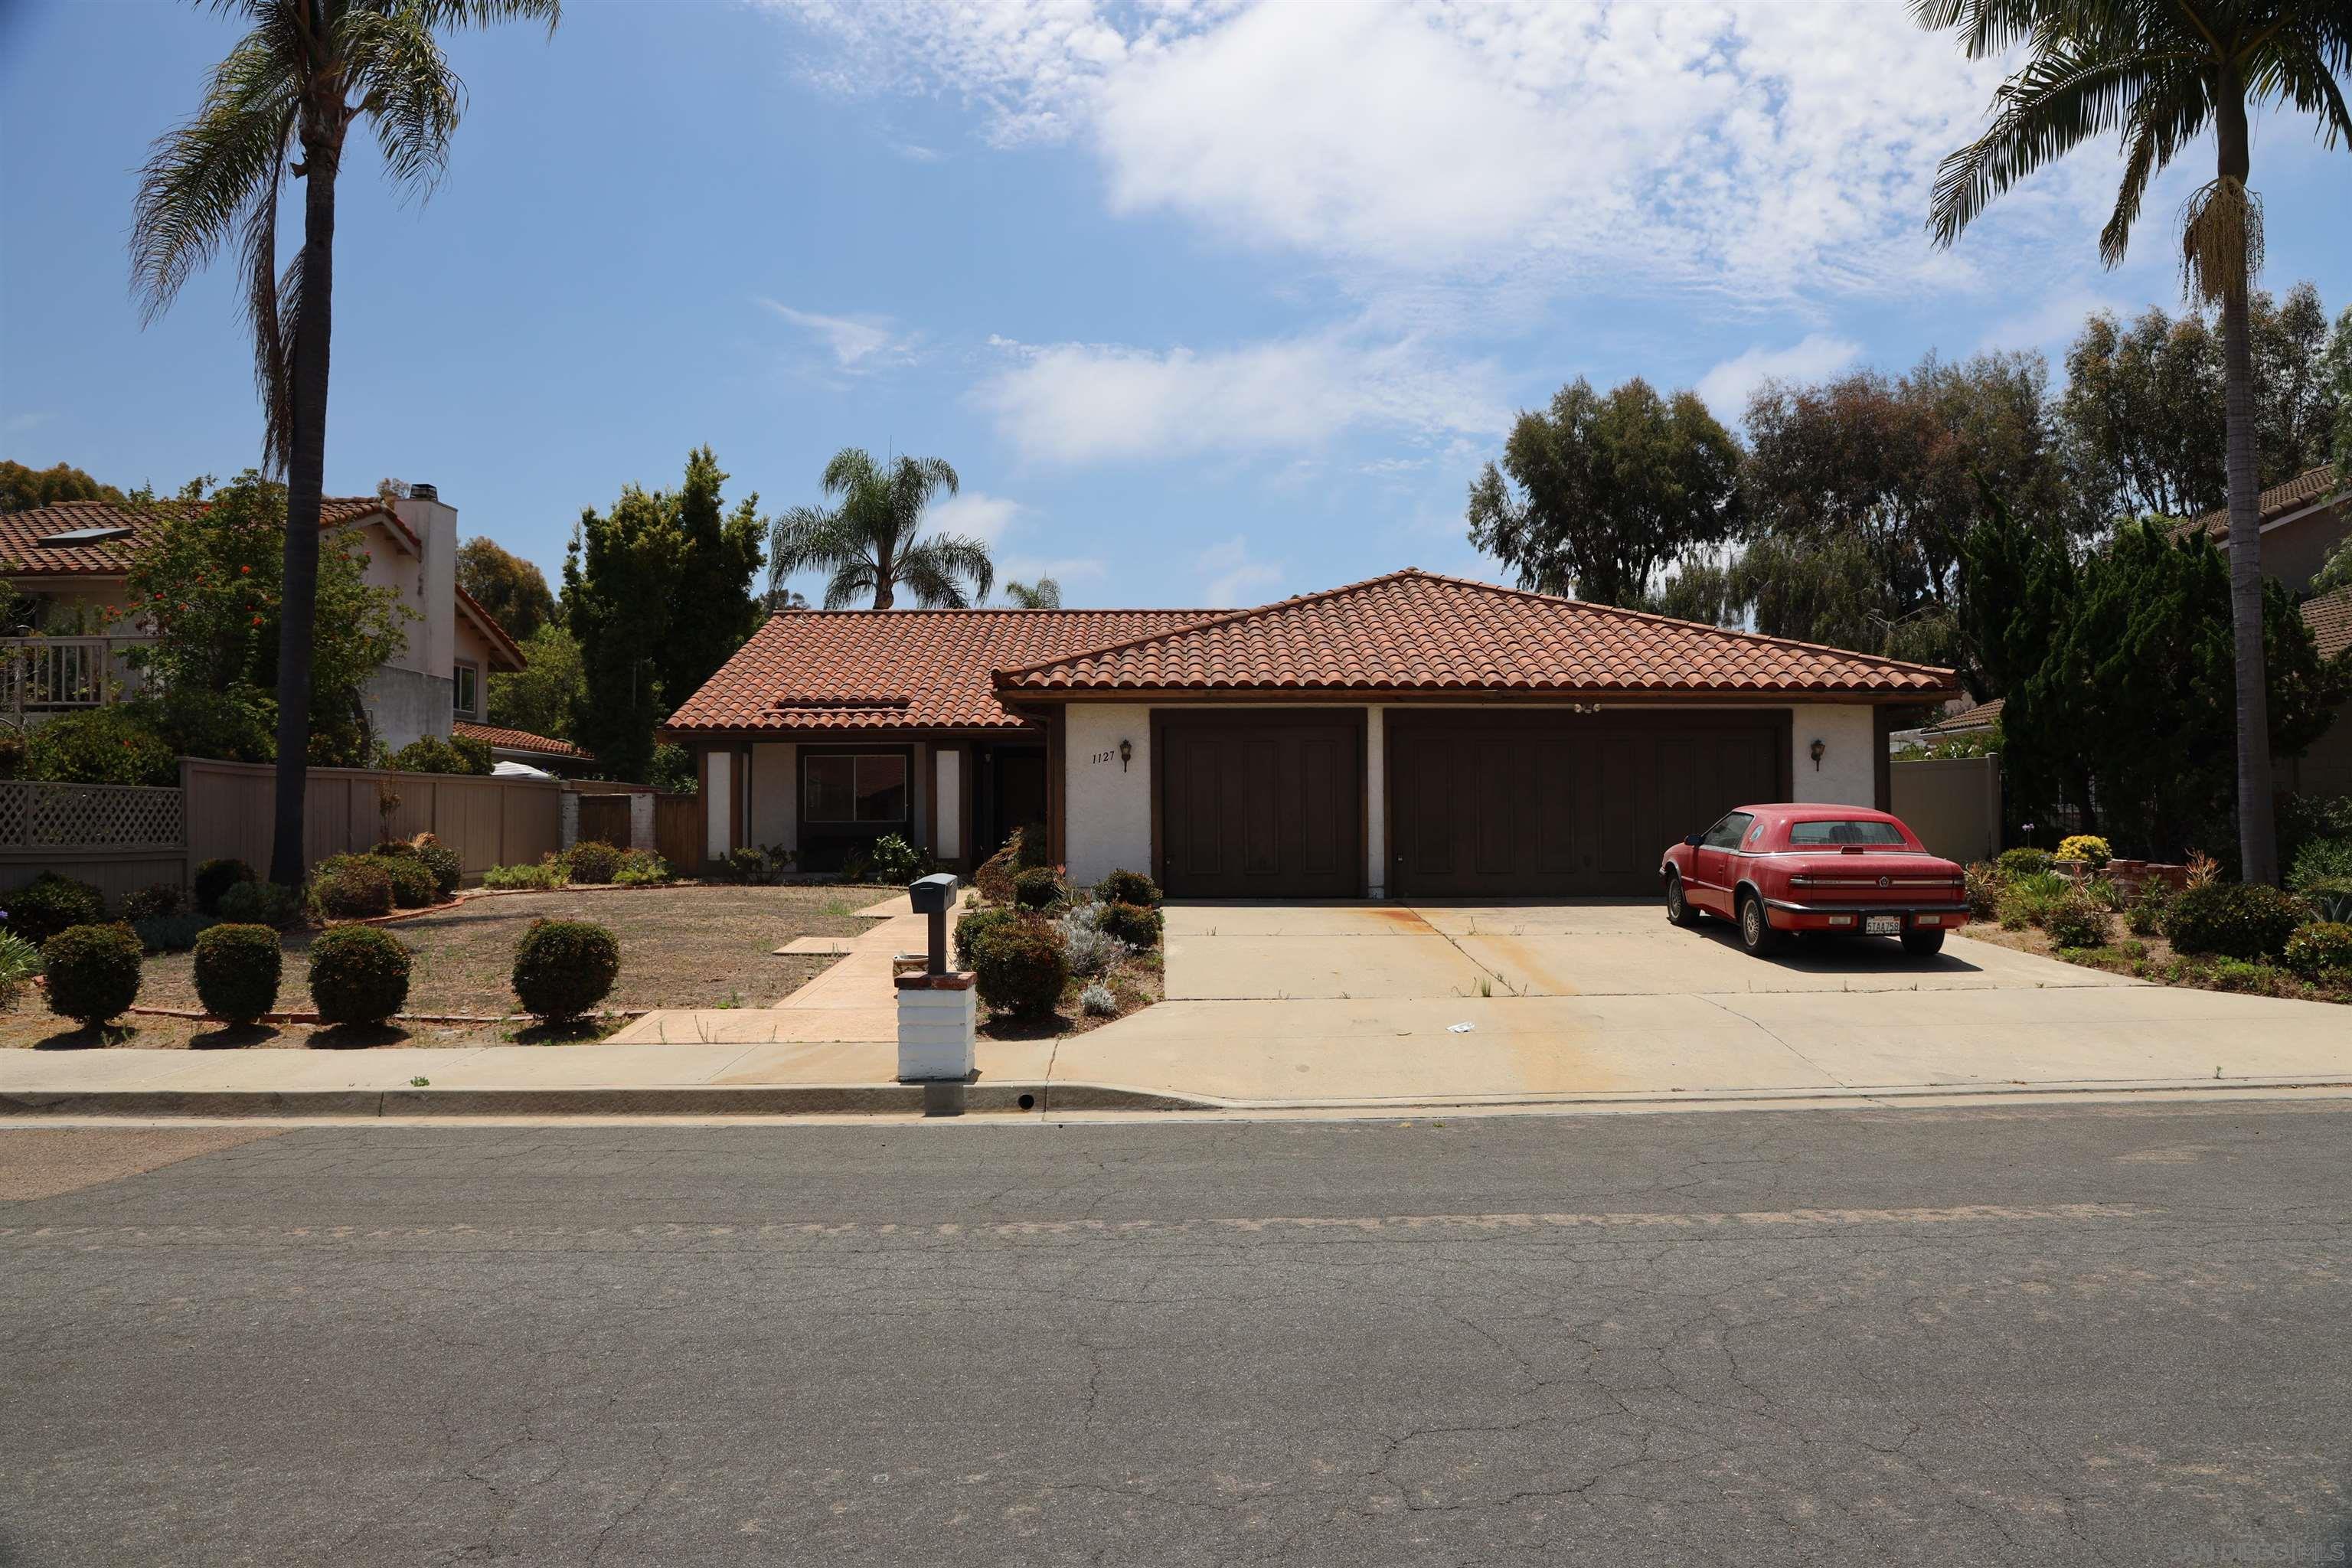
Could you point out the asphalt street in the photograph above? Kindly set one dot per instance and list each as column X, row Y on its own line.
column 2091, row 1335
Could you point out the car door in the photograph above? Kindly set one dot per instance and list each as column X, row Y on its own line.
column 1711, row 862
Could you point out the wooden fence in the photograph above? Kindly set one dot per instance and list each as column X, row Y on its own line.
column 605, row 818
column 231, row 807
column 116, row 837
column 678, row 832
column 1952, row 804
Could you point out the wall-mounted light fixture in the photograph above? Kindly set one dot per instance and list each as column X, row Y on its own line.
column 1126, row 753
column 1818, row 749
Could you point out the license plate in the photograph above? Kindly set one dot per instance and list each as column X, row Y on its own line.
column 1881, row 925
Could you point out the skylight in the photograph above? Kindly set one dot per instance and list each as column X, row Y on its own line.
column 74, row 536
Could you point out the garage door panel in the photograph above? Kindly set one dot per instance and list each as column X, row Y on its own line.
column 1519, row 806
column 1262, row 808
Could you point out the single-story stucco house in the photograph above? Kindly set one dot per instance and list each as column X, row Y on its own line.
column 1414, row 735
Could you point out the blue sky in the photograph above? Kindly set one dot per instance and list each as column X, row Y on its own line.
column 1206, row 302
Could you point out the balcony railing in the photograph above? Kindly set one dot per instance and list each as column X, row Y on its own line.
column 49, row 675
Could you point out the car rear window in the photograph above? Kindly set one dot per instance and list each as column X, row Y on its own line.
column 1805, row 833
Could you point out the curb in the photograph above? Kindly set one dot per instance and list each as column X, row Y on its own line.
column 776, row 1100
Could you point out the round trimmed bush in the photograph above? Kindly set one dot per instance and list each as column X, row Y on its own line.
column 237, row 971
column 564, row 968
column 352, row 888
column 448, row 870
column 215, row 878
column 2085, row 847
column 591, row 861
column 50, row 903
column 2023, row 861
column 155, row 902
column 1128, row 888
column 93, row 972
column 2250, row 922
column 2145, row 912
column 1038, row 888
column 977, row 924
column 2076, row 918
column 2322, row 949
column 1138, row 925
column 1021, row 969
column 261, row 904
column 412, row 880
column 359, row 974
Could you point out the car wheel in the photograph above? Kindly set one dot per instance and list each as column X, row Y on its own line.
column 1680, row 911
column 1755, row 932
column 1923, row 943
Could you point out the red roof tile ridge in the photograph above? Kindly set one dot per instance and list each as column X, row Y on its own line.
column 1214, row 618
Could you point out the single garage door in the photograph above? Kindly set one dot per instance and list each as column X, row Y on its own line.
column 1262, row 805
column 1536, row 805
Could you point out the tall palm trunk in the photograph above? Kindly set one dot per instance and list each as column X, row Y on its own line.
column 2257, row 840
column 305, row 465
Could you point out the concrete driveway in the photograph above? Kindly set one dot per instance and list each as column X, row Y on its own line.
column 1363, row 1002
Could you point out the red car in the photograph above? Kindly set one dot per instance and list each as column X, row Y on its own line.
column 1847, row 869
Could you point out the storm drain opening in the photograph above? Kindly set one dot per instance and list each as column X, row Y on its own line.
column 1027, row 1102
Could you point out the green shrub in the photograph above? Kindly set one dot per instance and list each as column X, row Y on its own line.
column 2331, row 898
column 2076, row 920
column 448, row 869
column 106, row 745
column 642, row 869
column 2022, row 861
column 93, row 973
column 1031, row 847
column 2107, row 895
column 19, row 961
column 431, row 754
column 564, row 968
column 351, row 887
column 1985, row 885
column 2320, row 949
column 1038, row 887
column 261, row 903
column 1020, row 968
column 413, row 886
column 545, row 873
column 756, row 867
column 2249, row 922
column 2085, row 847
column 2043, row 885
column 993, row 877
column 215, row 878
column 359, row 974
column 1128, row 888
column 977, row 924
column 237, row 971
column 2017, row 912
column 1138, row 925
column 2145, row 914
column 591, row 863
column 153, row 902
column 893, row 860
column 396, row 849
column 2318, row 860
column 50, row 903
column 171, row 934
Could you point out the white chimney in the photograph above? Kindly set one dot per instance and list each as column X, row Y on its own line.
column 436, row 525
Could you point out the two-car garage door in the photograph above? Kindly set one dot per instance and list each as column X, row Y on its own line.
column 1479, row 804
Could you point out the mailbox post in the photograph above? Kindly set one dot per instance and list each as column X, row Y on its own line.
column 937, row 1009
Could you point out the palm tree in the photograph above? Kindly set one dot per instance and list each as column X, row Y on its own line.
column 869, row 544
column 282, row 102
column 1044, row 593
column 2162, row 72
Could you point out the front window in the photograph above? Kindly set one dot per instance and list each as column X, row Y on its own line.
column 1815, row 835
column 464, row 699
column 1725, row 835
column 845, row 787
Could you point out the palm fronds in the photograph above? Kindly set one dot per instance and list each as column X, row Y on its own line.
column 869, row 541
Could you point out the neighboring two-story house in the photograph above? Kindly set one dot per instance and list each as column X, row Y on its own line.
column 2303, row 521
column 70, row 563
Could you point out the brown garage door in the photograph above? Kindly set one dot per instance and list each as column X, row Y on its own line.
column 1504, row 805
column 1262, row 805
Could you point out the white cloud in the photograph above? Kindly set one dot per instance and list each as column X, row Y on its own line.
column 856, row 343
column 1758, row 147
column 1233, row 577
column 983, row 516
column 1082, row 403
column 1728, row 386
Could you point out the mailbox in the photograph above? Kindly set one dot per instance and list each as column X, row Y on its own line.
column 934, row 896
column 936, row 1011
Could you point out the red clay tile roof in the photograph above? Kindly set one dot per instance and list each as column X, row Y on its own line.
column 520, row 740
column 2310, row 486
column 1983, row 716
column 21, row 533
column 2329, row 616
column 897, row 669
column 1415, row 631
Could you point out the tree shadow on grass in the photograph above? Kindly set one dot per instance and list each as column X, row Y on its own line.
column 357, row 1036
column 231, row 1037
column 89, row 1037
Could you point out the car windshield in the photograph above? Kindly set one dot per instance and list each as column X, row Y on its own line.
column 1803, row 833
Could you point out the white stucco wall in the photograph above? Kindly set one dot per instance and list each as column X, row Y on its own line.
column 1848, row 774
column 403, row 705
column 1106, row 819
column 775, row 794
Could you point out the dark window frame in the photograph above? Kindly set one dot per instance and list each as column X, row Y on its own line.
column 903, row 755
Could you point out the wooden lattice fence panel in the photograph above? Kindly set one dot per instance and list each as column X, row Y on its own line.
column 91, row 817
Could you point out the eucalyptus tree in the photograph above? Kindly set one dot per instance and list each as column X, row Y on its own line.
column 2162, row 74
column 870, row 542
column 281, row 105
